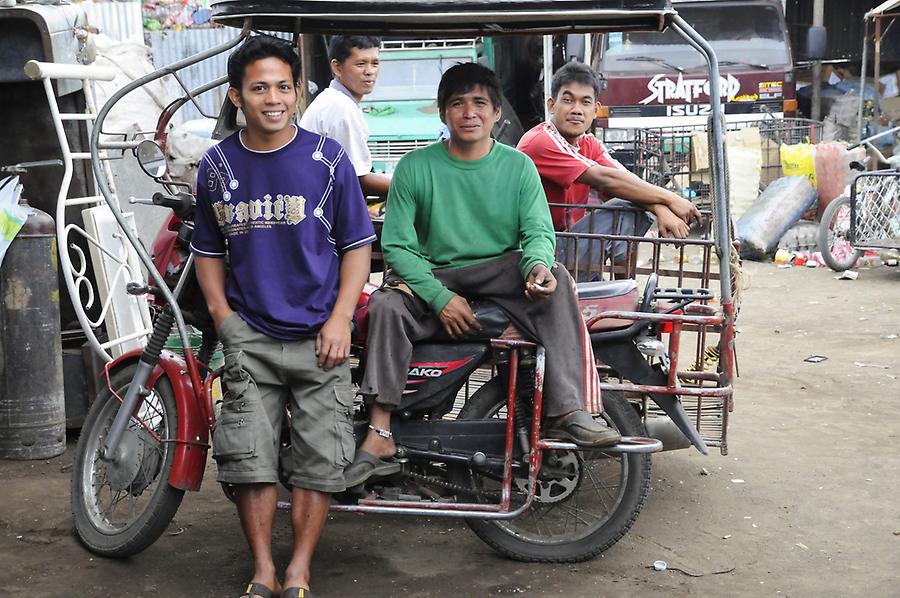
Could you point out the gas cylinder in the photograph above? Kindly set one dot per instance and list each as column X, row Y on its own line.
column 32, row 402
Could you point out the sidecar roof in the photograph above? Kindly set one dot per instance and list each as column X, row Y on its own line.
column 445, row 18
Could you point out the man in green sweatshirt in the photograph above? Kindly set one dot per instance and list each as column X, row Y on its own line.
column 467, row 217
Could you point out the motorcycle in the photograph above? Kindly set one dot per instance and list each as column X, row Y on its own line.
column 478, row 455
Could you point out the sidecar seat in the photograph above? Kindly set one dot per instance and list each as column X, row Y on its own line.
column 607, row 295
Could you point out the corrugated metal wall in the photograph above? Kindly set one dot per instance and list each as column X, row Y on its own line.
column 171, row 46
column 844, row 21
column 124, row 21
column 119, row 20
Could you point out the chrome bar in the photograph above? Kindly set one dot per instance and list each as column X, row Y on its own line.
column 628, row 444
column 721, row 212
column 104, row 189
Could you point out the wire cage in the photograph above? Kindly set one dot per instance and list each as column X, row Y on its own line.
column 675, row 157
column 625, row 251
column 875, row 210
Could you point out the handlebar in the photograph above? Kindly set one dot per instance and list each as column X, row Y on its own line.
column 182, row 204
column 870, row 147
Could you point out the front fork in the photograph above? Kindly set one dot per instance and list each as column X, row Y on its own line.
column 137, row 390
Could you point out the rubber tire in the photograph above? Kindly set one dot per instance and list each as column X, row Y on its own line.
column 833, row 262
column 637, row 488
column 165, row 499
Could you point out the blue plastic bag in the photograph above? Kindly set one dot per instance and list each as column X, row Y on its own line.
column 12, row 215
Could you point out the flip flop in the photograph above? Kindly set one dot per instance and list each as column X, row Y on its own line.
column 254, row 588
column 296, row 593
column 365, row 466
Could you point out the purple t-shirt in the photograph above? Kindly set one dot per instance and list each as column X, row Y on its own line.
column 283, row 217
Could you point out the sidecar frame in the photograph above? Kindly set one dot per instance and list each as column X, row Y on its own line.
column 446, row 18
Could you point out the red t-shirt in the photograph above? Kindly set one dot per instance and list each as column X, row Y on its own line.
column 559, row 164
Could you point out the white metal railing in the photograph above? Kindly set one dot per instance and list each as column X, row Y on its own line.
column 427, row 44
column 114, row 260
column 394, row 150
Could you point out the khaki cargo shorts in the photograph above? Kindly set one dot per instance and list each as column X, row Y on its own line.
column 264, row 379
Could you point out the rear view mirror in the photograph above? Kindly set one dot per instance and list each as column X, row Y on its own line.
column 151, row 158
column 816, row 43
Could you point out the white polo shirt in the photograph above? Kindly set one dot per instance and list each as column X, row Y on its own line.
column 336, row 114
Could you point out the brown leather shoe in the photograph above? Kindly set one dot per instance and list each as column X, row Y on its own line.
column 582, row 429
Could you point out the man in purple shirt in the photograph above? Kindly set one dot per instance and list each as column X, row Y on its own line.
column 283, row 206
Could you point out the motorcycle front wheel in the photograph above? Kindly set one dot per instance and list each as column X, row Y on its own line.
column 122, row 507
column 585, row 501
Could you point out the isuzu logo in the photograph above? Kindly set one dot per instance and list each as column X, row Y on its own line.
column 663, row 88
column 689, row 110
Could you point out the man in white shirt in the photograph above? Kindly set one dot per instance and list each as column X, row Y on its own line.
column 335, row 112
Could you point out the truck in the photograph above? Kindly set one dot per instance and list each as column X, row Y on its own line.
column 654, row 80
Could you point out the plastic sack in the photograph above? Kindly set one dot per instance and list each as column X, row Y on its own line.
column 799, row 160
column 12, row 215
column 833, row 170
column 774, row 212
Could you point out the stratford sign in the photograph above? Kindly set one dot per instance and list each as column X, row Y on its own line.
column 663, row 89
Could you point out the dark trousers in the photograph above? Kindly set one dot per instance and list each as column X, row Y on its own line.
column 396, row 321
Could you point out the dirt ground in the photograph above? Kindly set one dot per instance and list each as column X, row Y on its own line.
column 816, row 445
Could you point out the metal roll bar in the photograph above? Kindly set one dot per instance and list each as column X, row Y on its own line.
column 103, row 187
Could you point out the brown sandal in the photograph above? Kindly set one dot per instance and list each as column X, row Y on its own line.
column 254, row 588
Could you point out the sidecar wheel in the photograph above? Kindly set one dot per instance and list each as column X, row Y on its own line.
column 834, row 236
column 576, row 515
column 121, row 509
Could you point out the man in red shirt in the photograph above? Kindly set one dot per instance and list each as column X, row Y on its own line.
column 572, row 162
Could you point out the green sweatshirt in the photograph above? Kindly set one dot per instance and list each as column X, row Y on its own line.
column 443, row 212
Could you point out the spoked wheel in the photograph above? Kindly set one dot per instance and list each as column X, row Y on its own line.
column 834, row 236
column 585, row 501
column 123, row 506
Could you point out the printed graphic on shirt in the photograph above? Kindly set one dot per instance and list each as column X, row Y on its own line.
column 235, row 218
column 239, row 216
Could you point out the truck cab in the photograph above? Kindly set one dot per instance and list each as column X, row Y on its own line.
column 658, row 80
column 402, row 111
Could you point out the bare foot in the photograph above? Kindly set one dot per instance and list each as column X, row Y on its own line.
column 264, row 575
column 379, row 446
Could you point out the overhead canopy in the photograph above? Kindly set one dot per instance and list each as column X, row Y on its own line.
column 883, row 8
column 445, row 18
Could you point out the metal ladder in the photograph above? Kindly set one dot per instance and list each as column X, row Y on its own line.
column 75, row 276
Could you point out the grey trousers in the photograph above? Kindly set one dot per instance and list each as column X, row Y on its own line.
column 397, row 320
column 625, row 219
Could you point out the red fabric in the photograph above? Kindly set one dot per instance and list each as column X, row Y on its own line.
column 560, row 164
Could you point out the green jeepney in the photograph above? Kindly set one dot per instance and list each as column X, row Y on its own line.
column 402, row 112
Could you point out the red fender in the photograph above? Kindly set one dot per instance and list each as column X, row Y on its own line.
column 192, row 441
